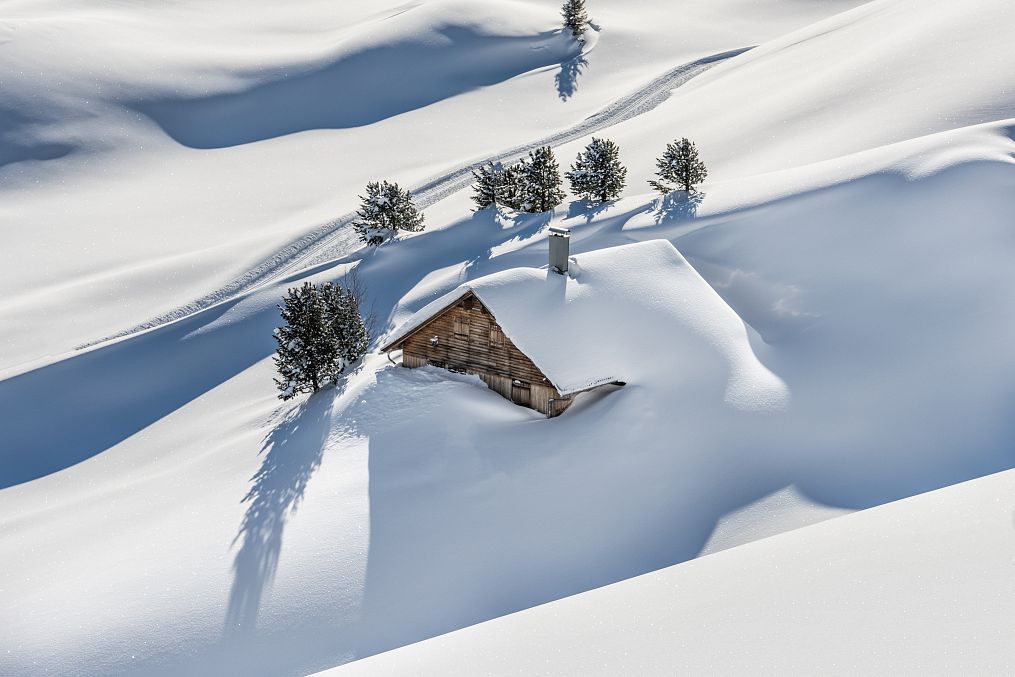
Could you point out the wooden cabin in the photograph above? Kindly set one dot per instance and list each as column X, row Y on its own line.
column 466, row 338
column 518, row 332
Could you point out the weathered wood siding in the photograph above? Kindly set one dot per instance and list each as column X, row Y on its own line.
column 466, row 338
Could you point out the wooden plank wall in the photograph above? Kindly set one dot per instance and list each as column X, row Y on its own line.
column 469, row 340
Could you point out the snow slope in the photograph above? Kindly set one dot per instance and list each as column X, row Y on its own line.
column 161, row 513
column 336, row 238
column 921, row 586
column 120, row 124
column 408, row 503
column 876, row 75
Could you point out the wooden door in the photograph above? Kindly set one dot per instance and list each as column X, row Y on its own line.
column 521, row 393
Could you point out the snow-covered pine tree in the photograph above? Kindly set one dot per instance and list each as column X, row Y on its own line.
column 681, row 166
column 597, row 173
column 576, row 16
column 542, row 181
column 346, row 329
column 385, row 210
column 305, row 358
column 489, row 188
column 514, row 186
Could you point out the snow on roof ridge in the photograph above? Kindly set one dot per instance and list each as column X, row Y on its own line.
column 570, row 370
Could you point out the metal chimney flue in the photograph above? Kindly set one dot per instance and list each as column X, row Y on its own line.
column 560, row 249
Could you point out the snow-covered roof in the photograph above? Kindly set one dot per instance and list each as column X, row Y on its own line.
column 576, row 328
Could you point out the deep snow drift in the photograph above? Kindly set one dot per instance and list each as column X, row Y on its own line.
column 162, row 513
column 922, row 586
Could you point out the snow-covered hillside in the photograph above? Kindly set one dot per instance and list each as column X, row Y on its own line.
column 153, row 153
column 921, row 586
column 161, row 513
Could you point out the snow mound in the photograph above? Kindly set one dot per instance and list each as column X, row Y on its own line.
column 616, row 307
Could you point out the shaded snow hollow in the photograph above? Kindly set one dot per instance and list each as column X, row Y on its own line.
column 610, row 315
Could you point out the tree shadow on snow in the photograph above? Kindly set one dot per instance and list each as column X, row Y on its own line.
column 567, row 77
column 678, row 206
column 103, row 396
column 1010, row 131
column 411, row 260
column 292, row 453
column 587, row 209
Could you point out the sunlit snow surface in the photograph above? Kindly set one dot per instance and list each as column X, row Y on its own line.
column 162, row 513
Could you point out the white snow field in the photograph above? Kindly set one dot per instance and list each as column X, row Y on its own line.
column 162, row 513
column 918, row 587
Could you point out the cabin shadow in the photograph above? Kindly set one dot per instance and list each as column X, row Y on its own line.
column 467, row 522
column 292, row 452
column 567, row 77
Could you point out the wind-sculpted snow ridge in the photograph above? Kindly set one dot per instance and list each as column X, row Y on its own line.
column 335, row 239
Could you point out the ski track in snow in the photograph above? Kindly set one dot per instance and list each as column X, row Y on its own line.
column 335, row 239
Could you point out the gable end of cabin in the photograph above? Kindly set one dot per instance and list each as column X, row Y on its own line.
column 466, row 338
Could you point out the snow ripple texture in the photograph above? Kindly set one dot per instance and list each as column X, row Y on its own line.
column 335, row 239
